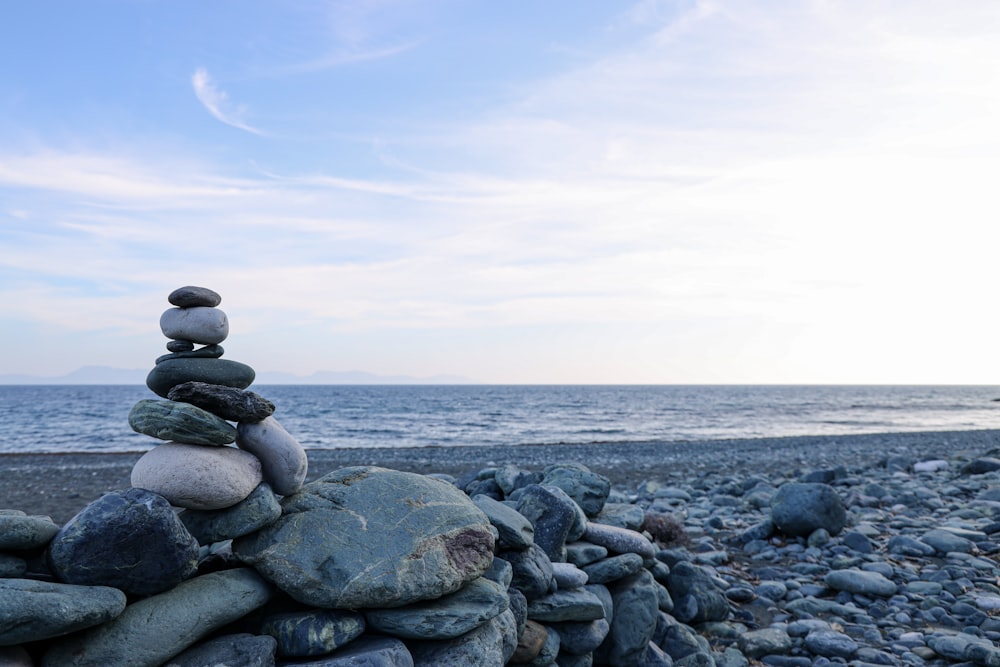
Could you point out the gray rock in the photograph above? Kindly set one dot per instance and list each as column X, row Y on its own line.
column 510, row 478
column 619, row 540
column 161, row 626
column 588, row 489
column 944, row 541
column 634, row 620
column 981, row 466
column 199, row 324
column 905, row 545
column 12, row 567
column 830, row 644
column 613, row 569
column 238, row 405
column 622, row 515
column 196, row 477
column 515, row 531
column 314, row 632
column 501, row 572
column 240, row 650
column 131, row 540
column 532, row 570
column 578, row 604
column 418, row 537
column 696, row 598
column 676, row 639
column 181, row 422
column 568, row 575
column 489, row 645
column 860, row 581
column 552, row 514
column 766, row 641
column 584, row 553
column 445, row 618
column 190, row 296
column 18, row 531
column 800, row 508
column 169, row 373
column 578, row 638
column 257, row 510
column 283, row 462
column 35, row 610
column 180, row 346
column 363, row 652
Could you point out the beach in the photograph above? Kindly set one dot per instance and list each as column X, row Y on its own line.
column 59, row 485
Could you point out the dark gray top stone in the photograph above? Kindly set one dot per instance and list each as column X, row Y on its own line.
column 189, row 295
column 168, row 374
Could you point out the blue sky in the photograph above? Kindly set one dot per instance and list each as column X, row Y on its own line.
column 661, row 192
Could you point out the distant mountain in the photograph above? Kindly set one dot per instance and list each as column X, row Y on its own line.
column 108, row 375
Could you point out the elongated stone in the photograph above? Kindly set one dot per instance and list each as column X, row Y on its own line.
column 445, row 618
column 196, row 477
column 168, row 374
column 238, row 405
column 180, row 422
column 19, row 531
column 315, row 632
column 254, row 512
column 207, row 352
column 191, row 295
column 153, row 630
column 283, row 462
column 198, row 324
column 34, row 610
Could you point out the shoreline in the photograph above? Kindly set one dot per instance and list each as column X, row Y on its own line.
column 61, row 484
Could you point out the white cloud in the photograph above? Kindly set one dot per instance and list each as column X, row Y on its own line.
column 217, row 102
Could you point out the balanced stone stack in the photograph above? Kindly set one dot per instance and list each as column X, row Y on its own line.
column 197, row 469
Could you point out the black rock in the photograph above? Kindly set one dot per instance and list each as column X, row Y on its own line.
column 189, row 296
column 168, row 374
column 227, row 402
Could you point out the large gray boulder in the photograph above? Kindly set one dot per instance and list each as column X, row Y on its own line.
column 588, row 489
column 799, row 508
column 368, row 537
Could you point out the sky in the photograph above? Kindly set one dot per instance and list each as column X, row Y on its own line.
column 515, row 192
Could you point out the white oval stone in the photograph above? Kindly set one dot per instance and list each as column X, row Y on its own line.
column 199, row 324
column 282, row 459
column 197, row 477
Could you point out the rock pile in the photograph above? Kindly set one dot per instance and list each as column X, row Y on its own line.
column 232, row 559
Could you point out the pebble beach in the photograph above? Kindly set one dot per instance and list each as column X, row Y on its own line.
column 228, row 543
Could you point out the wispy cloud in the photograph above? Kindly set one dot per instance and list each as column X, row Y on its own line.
column 217, row 102
column 344, row 57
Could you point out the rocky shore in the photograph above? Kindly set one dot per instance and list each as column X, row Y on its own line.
column 228, row 544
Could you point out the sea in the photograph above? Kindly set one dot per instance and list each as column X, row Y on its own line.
column 94, row 418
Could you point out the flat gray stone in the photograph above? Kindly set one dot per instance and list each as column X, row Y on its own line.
column 18, row 531
column 577, row 604
column 257, row 510
column 206, row 352
column 314, row 632
column 860, row 581
column 34, row 610
column 181, row 422
column 171, row 372
column 191, row 295
column 363, row 652
column 614, row 568
column 283, row 461
column 619, row 540
column 157, row 628
column 199, row 324
column 418, row 537
column 239, row 650
column 445, row 618
column 515, row 531
column 766, row 641
column 489, row 645
column 945, row 541
column 197, row 477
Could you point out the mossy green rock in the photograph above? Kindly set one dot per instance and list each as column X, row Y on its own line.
column 368, row 537
column 180, row 422
column 169, row 373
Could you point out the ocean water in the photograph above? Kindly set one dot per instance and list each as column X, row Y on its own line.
column 73, row 418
